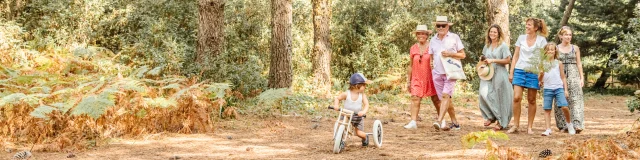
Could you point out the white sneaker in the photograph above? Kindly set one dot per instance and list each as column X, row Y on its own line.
column 444, row 123
column 572, row 130
column 547, row 132
column 411, row 125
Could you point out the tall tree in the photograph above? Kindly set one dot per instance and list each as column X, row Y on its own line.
column 321, row 44
column 498, row 13
column 567, row 13
column 210, row 31
column 280, row 72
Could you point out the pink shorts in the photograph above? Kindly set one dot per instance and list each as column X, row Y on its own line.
column 443, row 85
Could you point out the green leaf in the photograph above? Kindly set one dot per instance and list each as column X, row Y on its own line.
column 42, row 111
column 156, row 71
column 94, row 106
column 217, row 90
column 273, row 95
column 161, row 102
column 12, row 99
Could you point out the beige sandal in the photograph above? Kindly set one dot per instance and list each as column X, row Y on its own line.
column 513, row 130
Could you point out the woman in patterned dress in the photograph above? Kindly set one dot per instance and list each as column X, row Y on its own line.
column 496, row 94
column 569, row 55
column 419, row 82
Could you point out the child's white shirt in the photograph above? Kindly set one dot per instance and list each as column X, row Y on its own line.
column 350, row 104
column 552, row 79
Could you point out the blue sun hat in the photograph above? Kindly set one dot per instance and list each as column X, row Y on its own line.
column 358, row 78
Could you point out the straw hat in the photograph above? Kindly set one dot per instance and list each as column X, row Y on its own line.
column 442, row 20
column 422, row 28
column 485, row 71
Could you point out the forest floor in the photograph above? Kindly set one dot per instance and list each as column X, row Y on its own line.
column 294, row 137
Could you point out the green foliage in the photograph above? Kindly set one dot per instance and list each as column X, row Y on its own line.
column 42, row 111
column 161, row 102
column 473, row 138
column 272, row 96
column 540, row 63
column 93, row 106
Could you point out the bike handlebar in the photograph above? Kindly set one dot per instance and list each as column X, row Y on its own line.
column 331, row 107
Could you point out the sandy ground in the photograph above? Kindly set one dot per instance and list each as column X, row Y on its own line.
column 294, row 137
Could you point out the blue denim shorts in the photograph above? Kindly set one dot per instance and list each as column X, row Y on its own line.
column 557, row 94
column 525, row 79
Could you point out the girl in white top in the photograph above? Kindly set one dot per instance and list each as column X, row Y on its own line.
column 555, row 87
column 527, row 45
column 356, row 100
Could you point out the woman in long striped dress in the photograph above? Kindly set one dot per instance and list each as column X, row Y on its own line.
column 570, row 57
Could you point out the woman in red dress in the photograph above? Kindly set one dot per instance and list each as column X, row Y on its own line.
column 419, row 81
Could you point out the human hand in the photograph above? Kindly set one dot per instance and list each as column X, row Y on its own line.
column 488, row 61
column 566, row 93
column 409, row 87
column 541, row 84
column 361, row 113
column 511, row 78
column 581, row 83
column 336, row 108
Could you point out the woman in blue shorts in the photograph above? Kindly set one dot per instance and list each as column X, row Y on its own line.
column 527, row 45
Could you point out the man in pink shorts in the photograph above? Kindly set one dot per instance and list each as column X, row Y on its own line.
column 451, row 46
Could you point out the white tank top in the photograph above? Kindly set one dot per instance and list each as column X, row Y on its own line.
column 552, row 78
column 352, row 105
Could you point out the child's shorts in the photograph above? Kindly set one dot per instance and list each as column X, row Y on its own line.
column 525, row 79
column 558, row 95
column 356, row 122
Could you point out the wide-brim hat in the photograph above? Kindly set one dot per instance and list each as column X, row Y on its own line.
column 485, row 71
column 422, row 28
column 442, row 20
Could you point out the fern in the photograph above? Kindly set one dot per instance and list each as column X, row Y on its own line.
column 62, row 107
column 273, row 95
column 130, row 84
column 12, row 99
column 473, row 138
column 217, row 90
column 172, row 86
column 540, row 63
column 42, row 111
column 139, row 73
column 161, row 102
column 98, row 86
column 156, row 71
column 94, row 106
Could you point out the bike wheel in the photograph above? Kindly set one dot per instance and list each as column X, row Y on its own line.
column 335, row 129
column 377, row 133
column 338, row 143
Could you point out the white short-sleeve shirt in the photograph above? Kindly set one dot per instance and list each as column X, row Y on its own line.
column 526, row 51
column 450, row 42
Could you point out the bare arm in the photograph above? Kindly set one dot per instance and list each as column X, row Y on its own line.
column 500, row 61
column 365, row 105
column 516, row 55
column 564, row 80
column 579, row 63
column 409, row 74
column 456, row 55
column 336, row 101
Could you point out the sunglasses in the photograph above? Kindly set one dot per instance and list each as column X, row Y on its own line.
column 441, row 25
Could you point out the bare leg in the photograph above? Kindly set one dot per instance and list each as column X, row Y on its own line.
column 452, row 113
column 567, row 116
column 361, row 134
column 444, row 106
column 436, row 104
column 531, row 98
column 415, row 107
column 547, row 118
column 517, row 98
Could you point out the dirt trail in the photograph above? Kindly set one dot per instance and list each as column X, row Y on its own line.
column 294, row 137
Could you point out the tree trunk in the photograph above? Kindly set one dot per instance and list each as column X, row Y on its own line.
column 567, row 13
column 321, row 44
column 606, row 73
column 280, row 75
column 210, row 31
column 498, row 13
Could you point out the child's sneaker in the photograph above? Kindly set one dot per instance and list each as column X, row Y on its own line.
column 547, row 132
column 454, row 126
column 365, row 142
column 411, row 125
column 572, row 130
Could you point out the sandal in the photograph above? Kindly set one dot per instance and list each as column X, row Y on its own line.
column 488, row 122
column 513, row 130
column 530, row 131
column 498, row 127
